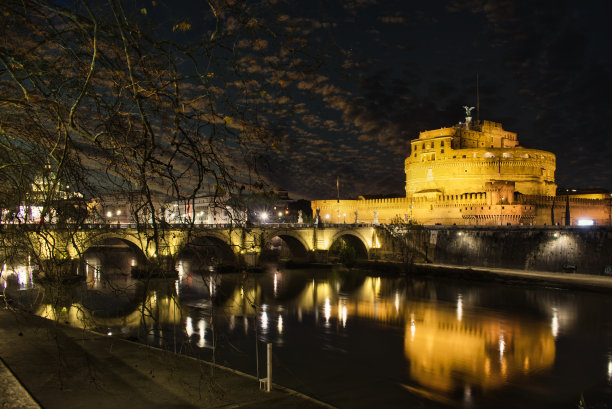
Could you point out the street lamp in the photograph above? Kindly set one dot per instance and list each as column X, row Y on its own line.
column 118, row 214
column 109, row 214
column 264, row 217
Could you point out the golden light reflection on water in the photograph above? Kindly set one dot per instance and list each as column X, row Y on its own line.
column 155, row 309
column 447, row 354
column 448, row 346
column 22, row 274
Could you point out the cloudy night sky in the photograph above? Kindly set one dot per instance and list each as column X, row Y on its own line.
column 389, row 69
column 341, row 87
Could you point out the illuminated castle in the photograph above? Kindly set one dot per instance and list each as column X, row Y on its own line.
column 473, row 173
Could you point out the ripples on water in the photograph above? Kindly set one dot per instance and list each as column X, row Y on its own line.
column 355, row 339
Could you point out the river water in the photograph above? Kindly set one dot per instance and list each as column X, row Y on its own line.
column 355, row 339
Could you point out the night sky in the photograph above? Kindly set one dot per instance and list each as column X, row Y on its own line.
column 341, row 87
column 389, row 69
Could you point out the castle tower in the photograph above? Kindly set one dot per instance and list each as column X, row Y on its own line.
column 465, row 157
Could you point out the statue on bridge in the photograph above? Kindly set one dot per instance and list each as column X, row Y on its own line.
column 317, row 218
column 375, row 217
column 300, row 219
column 356, row 217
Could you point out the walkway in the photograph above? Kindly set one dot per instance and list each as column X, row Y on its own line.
column 566, row 280
column 56, row 366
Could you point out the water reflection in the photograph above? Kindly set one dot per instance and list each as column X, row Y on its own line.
column 455, row 344
column 91, row 314
column 480, row 349
column 20, row 276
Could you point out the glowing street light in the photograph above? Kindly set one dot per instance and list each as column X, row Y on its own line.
column 264, row 217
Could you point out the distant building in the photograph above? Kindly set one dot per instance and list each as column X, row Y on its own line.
column 206, row 209
column 475, row 173
column 47, row 198
column 127, row 207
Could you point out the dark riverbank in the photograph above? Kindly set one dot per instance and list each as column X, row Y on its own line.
column 64, row 367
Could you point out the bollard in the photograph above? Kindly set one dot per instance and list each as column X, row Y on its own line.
column 269, row 379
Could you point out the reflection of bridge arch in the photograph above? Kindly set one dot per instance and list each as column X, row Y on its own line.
column 209, row 248
column 355, row 239
column 295, row 241
column 158, row 309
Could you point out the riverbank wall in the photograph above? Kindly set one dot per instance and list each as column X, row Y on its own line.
column 586, row 250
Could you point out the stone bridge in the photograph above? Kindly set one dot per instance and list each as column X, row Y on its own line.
column 230, row 244
column 541, row 248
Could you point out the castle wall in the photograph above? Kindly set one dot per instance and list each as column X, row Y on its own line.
column 465, row 209
column 467, row 170
column 389, row 210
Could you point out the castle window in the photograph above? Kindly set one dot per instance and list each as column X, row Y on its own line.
column 466, row 171
column 442, row 151
column 423, row 146
column 464, row 158
column 432, row 145
column 442, row 143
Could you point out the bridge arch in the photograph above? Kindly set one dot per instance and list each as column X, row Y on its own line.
column 109, row 254
column 91, row 240
column 353, row 238
column 295, row 242
column 208, row 249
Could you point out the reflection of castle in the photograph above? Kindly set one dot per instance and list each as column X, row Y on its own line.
column 473, row 173
column 449, row 350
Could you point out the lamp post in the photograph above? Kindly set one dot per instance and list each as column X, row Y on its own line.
column 118, row 214
column 109, row 214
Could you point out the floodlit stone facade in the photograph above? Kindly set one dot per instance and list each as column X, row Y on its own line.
column 464, row 158
column 474, row 173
